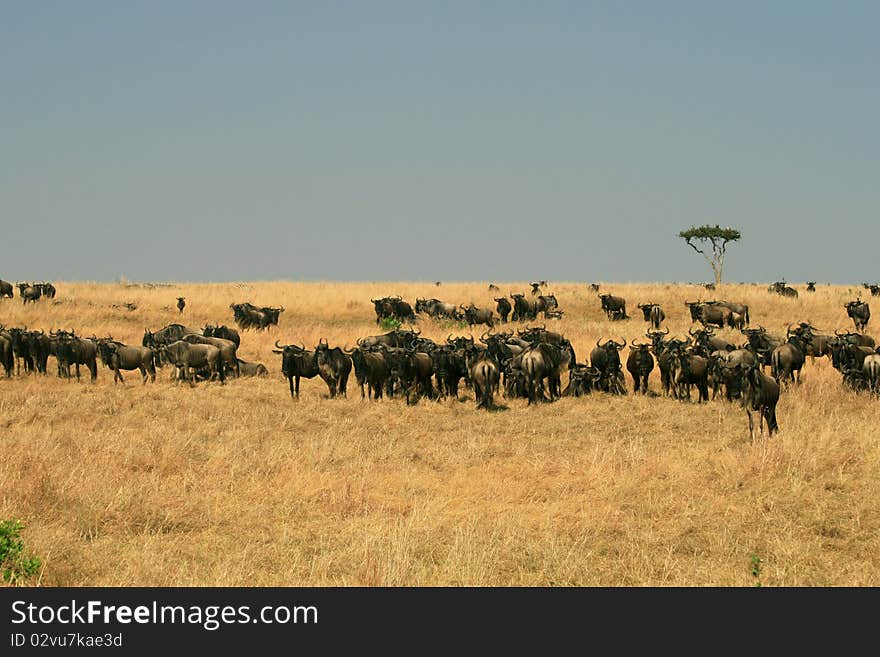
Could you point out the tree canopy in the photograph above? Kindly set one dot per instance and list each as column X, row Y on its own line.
column 718, row 237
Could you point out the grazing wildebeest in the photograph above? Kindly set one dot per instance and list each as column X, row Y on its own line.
column 614, row 307
column 296, row 363
column 473, row 315
column 787, row 359
column 5, row 289
column 875, row 289
column 606, row 359
column 73, row 350
column 247, row 368
column 639, row 364
column 249, row 316
column 484, row 375
column 181, row 304
column 228, row 349
column 334, row 366
column 811, row 286
column 188, row 358
column 687, row 369
column 28, row 292
column 760, row 395
column 224, row 332
column 860, row 312
column 653, row 313
column 503, row 308
column 118, row 356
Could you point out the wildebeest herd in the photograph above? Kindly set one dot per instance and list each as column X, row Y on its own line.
column 28, row 292
column 530, row 363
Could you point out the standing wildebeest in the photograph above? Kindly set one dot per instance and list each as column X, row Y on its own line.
column 296, row 363
column 536, row 287
column 412, row 369
column 181, row 303
column 740, row 309
column 662, row 350
column 436, row 308
column 485, row 376
column 118, row 356
column 167, row 335
column 188, row 358
column 871, row 372
column 73, row 350
column 249, row 316
column 503, row 308
column 5, row 289
column 721, row 369
column 614, row 307
column 544, row 361
column 523, row 309
column 228, row 350
column 787, row 359
column 687, row 369
column 334, row 366
column 547, row 303
column 875, row 289
column 860, row 312
column 761, row 344
column 594, row 287
column 606, row 359
column 473, row 315
column 653, row 313
column 811, row 286
column 7, row 358
column 581, row 380
column 47, row 290
column 370, row 367
column 224, row 332
column 493, row 287
column 28, row 292
column 760, row 394
column 639, row 364
column 710, row 313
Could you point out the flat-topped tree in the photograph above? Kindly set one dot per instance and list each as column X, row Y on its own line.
column 717, row 237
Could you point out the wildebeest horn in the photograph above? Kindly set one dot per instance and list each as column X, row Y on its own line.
column 279, row 346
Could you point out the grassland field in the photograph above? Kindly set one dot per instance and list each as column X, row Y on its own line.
column 237, row 484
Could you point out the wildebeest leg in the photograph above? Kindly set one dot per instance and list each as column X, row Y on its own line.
column 751, row 424
column 117, row 376
column 297, row 386
column 77, row 372
column 290, row 381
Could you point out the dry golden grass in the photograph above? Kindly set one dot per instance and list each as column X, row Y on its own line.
column 164, row 485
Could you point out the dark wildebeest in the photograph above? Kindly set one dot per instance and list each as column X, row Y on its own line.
column 614, row 307
column 40, row 347
column 473, row 315
column 662, row 350
column 811, row 286
column 787, row 359
column 47, row 290
column 228, row 349
column 493, row 287
column 760, row 395
column 523, row 309
column 705, row 341
column 189, row 358
column 606, row 359
column 536, row 287
column 413, row 369
column 296, row 363
column 687, row 369
column 850, row 350
column 5, row 289
column 28, row 292
column 710, row 313
column 249, row 316
column 594, row 287
column 73, row 350
column 546, row 303
column 118, row 356
column 817, row 344
column 653, row 313
column 860, row 312
column 224, row 332
column 371, row 368
column 395, row 338
column 875, row 289
column 7, row 358
column 581, row 380
column 761, row 344
column 334, row 366
column 639, row 364
column 247, row 368
column 545, row 361
column 436, row 308
column 740, row 309
column 721, row 369
column 181, row 303
column 503, row 308
column 167, row 335
column 784, row 290
column 485, row 376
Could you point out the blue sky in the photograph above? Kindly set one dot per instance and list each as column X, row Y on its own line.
column 437, row 140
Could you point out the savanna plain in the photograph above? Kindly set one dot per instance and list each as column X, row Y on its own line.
column 238, row 484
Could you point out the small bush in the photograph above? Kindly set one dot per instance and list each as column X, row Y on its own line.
column 14, row 565
column 390, row 323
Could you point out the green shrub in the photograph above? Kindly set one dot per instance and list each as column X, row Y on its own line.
column 390, row 323
column 14, row 565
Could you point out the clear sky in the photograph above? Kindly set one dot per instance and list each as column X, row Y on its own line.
column 218, row 140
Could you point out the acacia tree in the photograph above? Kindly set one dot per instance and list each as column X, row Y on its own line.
column 718, row 237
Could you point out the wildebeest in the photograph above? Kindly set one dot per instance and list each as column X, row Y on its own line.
column 189, row 358
column 28, row 292
column 710, row 313
column 594, row 287
column 412, row 369
column 473, row 315
column 167, row 335
column 247, row 368
column 436, row 308
column 653, row 313
column 248, row 316
column 334, row 366
column 860, row 312
column 546, row 303
column 5, row 289
column 875, row 289
column 503, row 308
column 484, row 375
column 782, row 289
column 296, row 363
column 639, row 364
column 394, row 338
column 47, row 290
column 228, row 349
column 394, row 307
column 181, row 303
column 224, row 332
column 118, row 356
column 370, row 368
column 614, row 307
column 761, row 343
column 76, row 351
column 523, row 309
column 544, row 361
column 493, row 287
column 740, row 309
column 536, row 287
column 662, row 350
column 7, row 358
column 787, row 359
column 687, row 369
column 581, row 380
column 606, row 359
column 811, row 286
column 760, row 395
column 722, row 366
column 871, row 370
